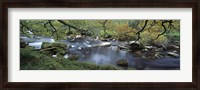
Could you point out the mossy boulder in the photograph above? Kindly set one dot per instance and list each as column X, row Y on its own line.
column 56, row 44
column 108, row 67
column 29, row 48
column 73, row 57
column 122, row 62
column 60, row 45
column 136, row 45
column 173, row 54
column 58, row 48
column 60, row 51
column 46, row 45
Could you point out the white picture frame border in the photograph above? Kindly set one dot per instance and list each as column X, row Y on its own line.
column 182, row 75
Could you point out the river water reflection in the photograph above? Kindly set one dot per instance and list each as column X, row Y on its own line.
column 108, row 55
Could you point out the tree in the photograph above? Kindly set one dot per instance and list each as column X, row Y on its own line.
column 146, row 31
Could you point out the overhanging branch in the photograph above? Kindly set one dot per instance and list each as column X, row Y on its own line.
column 138, row 33
column 165, row 29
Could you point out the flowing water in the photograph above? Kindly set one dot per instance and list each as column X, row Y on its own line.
column 88, row 51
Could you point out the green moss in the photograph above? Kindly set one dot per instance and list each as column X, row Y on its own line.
column 37, row 60
column 60, row 51
column 73, row 57
column 46, row 45
column 52, row 64
column 29, row 48
column 60, row 48
column 108, row 67
column 60, row 45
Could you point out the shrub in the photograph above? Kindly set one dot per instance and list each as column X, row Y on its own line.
column 52, row 64
column 28, row 57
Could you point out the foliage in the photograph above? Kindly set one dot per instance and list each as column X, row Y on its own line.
column 146, row 31
column 124, row 32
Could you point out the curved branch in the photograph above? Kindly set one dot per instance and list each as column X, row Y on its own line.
column 28, row 28
column 104, row 26
column 82, row 31
column 25, row 26
column 138, row 33
column 152, row 24
column 165, row 29
column 21, row 28
column 55, row 30
column 71, row 26
column 45, row 26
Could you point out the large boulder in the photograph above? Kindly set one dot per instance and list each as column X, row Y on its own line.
column 150, row 48
column 46, row 45
column 56, row 48
column 73, row 57
column 122, row 62
column 56, row 44
column 123, row 47
column 102, row 44
column 152, row 55
column 60, row 45
column 29, row 48
column 173, row 54
column 173, row 47
column 136, row 45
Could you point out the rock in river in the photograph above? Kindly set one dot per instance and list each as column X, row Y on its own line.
column 73, row 57
column 173, row 54
column 173, row 47
column 123, row 47
column 102, row 44
column 135, row 45
column 56, row 47
column 122, row 62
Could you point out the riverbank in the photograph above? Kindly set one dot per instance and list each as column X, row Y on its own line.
column 37, row 60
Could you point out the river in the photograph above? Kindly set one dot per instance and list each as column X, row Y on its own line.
column 108, row 55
